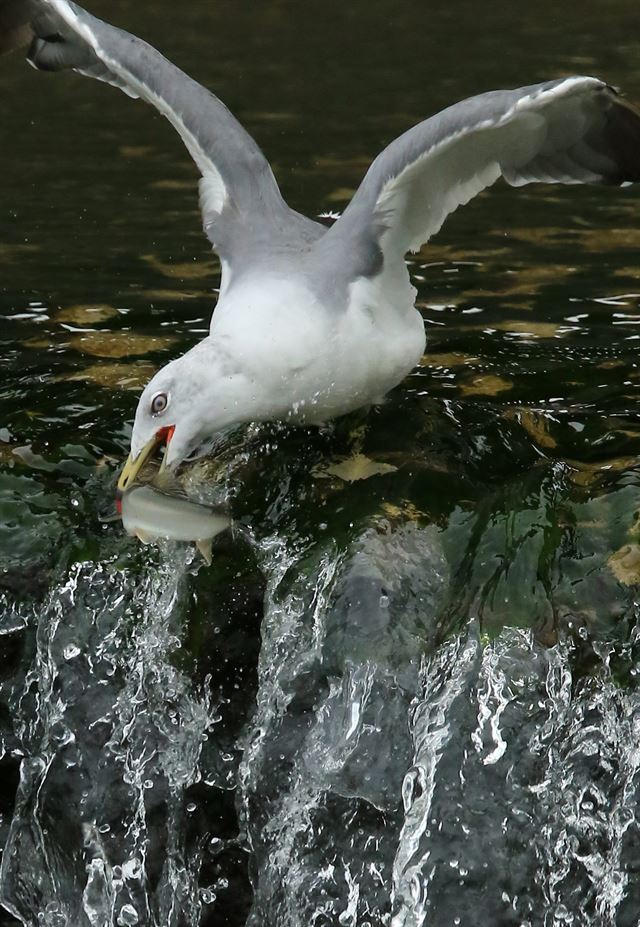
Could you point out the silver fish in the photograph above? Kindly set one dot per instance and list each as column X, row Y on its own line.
column 148, row 514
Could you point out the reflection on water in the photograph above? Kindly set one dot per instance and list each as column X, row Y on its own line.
column 405, row 692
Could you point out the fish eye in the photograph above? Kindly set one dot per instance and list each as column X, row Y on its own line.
column 159, row 403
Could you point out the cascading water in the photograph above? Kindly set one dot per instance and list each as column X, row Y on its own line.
column 521, row 801
column 111, row 731
column 416, row 743
column 329, row 744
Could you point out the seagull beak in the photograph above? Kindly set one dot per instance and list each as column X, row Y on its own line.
column 134, row 464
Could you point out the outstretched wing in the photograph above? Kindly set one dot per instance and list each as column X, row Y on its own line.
column 240, row 200
column 576, row 130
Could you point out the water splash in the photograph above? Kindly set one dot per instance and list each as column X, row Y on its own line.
column 521, row 800
column 397, row 771
column 319, row 782
column 111, row 732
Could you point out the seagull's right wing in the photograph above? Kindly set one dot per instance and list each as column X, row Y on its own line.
column 577, row 130
column 239, row 196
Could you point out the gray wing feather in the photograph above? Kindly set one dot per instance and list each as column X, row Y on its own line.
column 576, row 130
column 241, row 204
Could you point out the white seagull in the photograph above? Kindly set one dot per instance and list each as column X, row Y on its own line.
column 313, row 322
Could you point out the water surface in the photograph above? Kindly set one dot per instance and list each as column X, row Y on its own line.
column 404, row 699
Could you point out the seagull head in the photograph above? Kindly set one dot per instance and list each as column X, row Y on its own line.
column 177, row 410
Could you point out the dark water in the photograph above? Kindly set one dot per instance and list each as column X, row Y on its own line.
column 401, row 700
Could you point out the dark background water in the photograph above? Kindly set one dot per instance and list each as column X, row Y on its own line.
column 517, row 437
column 96, row 190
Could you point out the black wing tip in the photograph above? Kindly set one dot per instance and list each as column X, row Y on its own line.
column 54, row 45
column 623, row 139
column 615, row 136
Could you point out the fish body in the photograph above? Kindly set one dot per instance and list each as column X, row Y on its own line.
column 148, row 515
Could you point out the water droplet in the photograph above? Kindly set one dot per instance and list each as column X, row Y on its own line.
column 191, row 807
column 70, row 651
column 128, row 916
column 215, row 845
column 132, row 868
column 415, row 888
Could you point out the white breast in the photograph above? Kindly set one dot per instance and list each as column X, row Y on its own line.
column 308, row 362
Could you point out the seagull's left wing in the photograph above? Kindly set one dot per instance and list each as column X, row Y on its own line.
column 239, row 195
column 577, row 130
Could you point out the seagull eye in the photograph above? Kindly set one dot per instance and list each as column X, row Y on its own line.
column 159, row 403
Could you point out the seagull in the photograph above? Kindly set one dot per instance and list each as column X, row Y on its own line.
column 312, row 321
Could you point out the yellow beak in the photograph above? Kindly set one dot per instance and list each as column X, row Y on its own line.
column 134, row 465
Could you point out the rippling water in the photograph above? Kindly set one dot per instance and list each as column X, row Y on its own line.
column 406, row 691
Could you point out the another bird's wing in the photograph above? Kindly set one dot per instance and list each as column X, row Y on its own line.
column 577, row 130
column 239, row 196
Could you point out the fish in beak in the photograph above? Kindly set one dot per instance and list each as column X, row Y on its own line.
column 134, row 464
column 149, row 515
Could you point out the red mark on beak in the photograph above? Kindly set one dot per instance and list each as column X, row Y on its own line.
column 165, row 434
